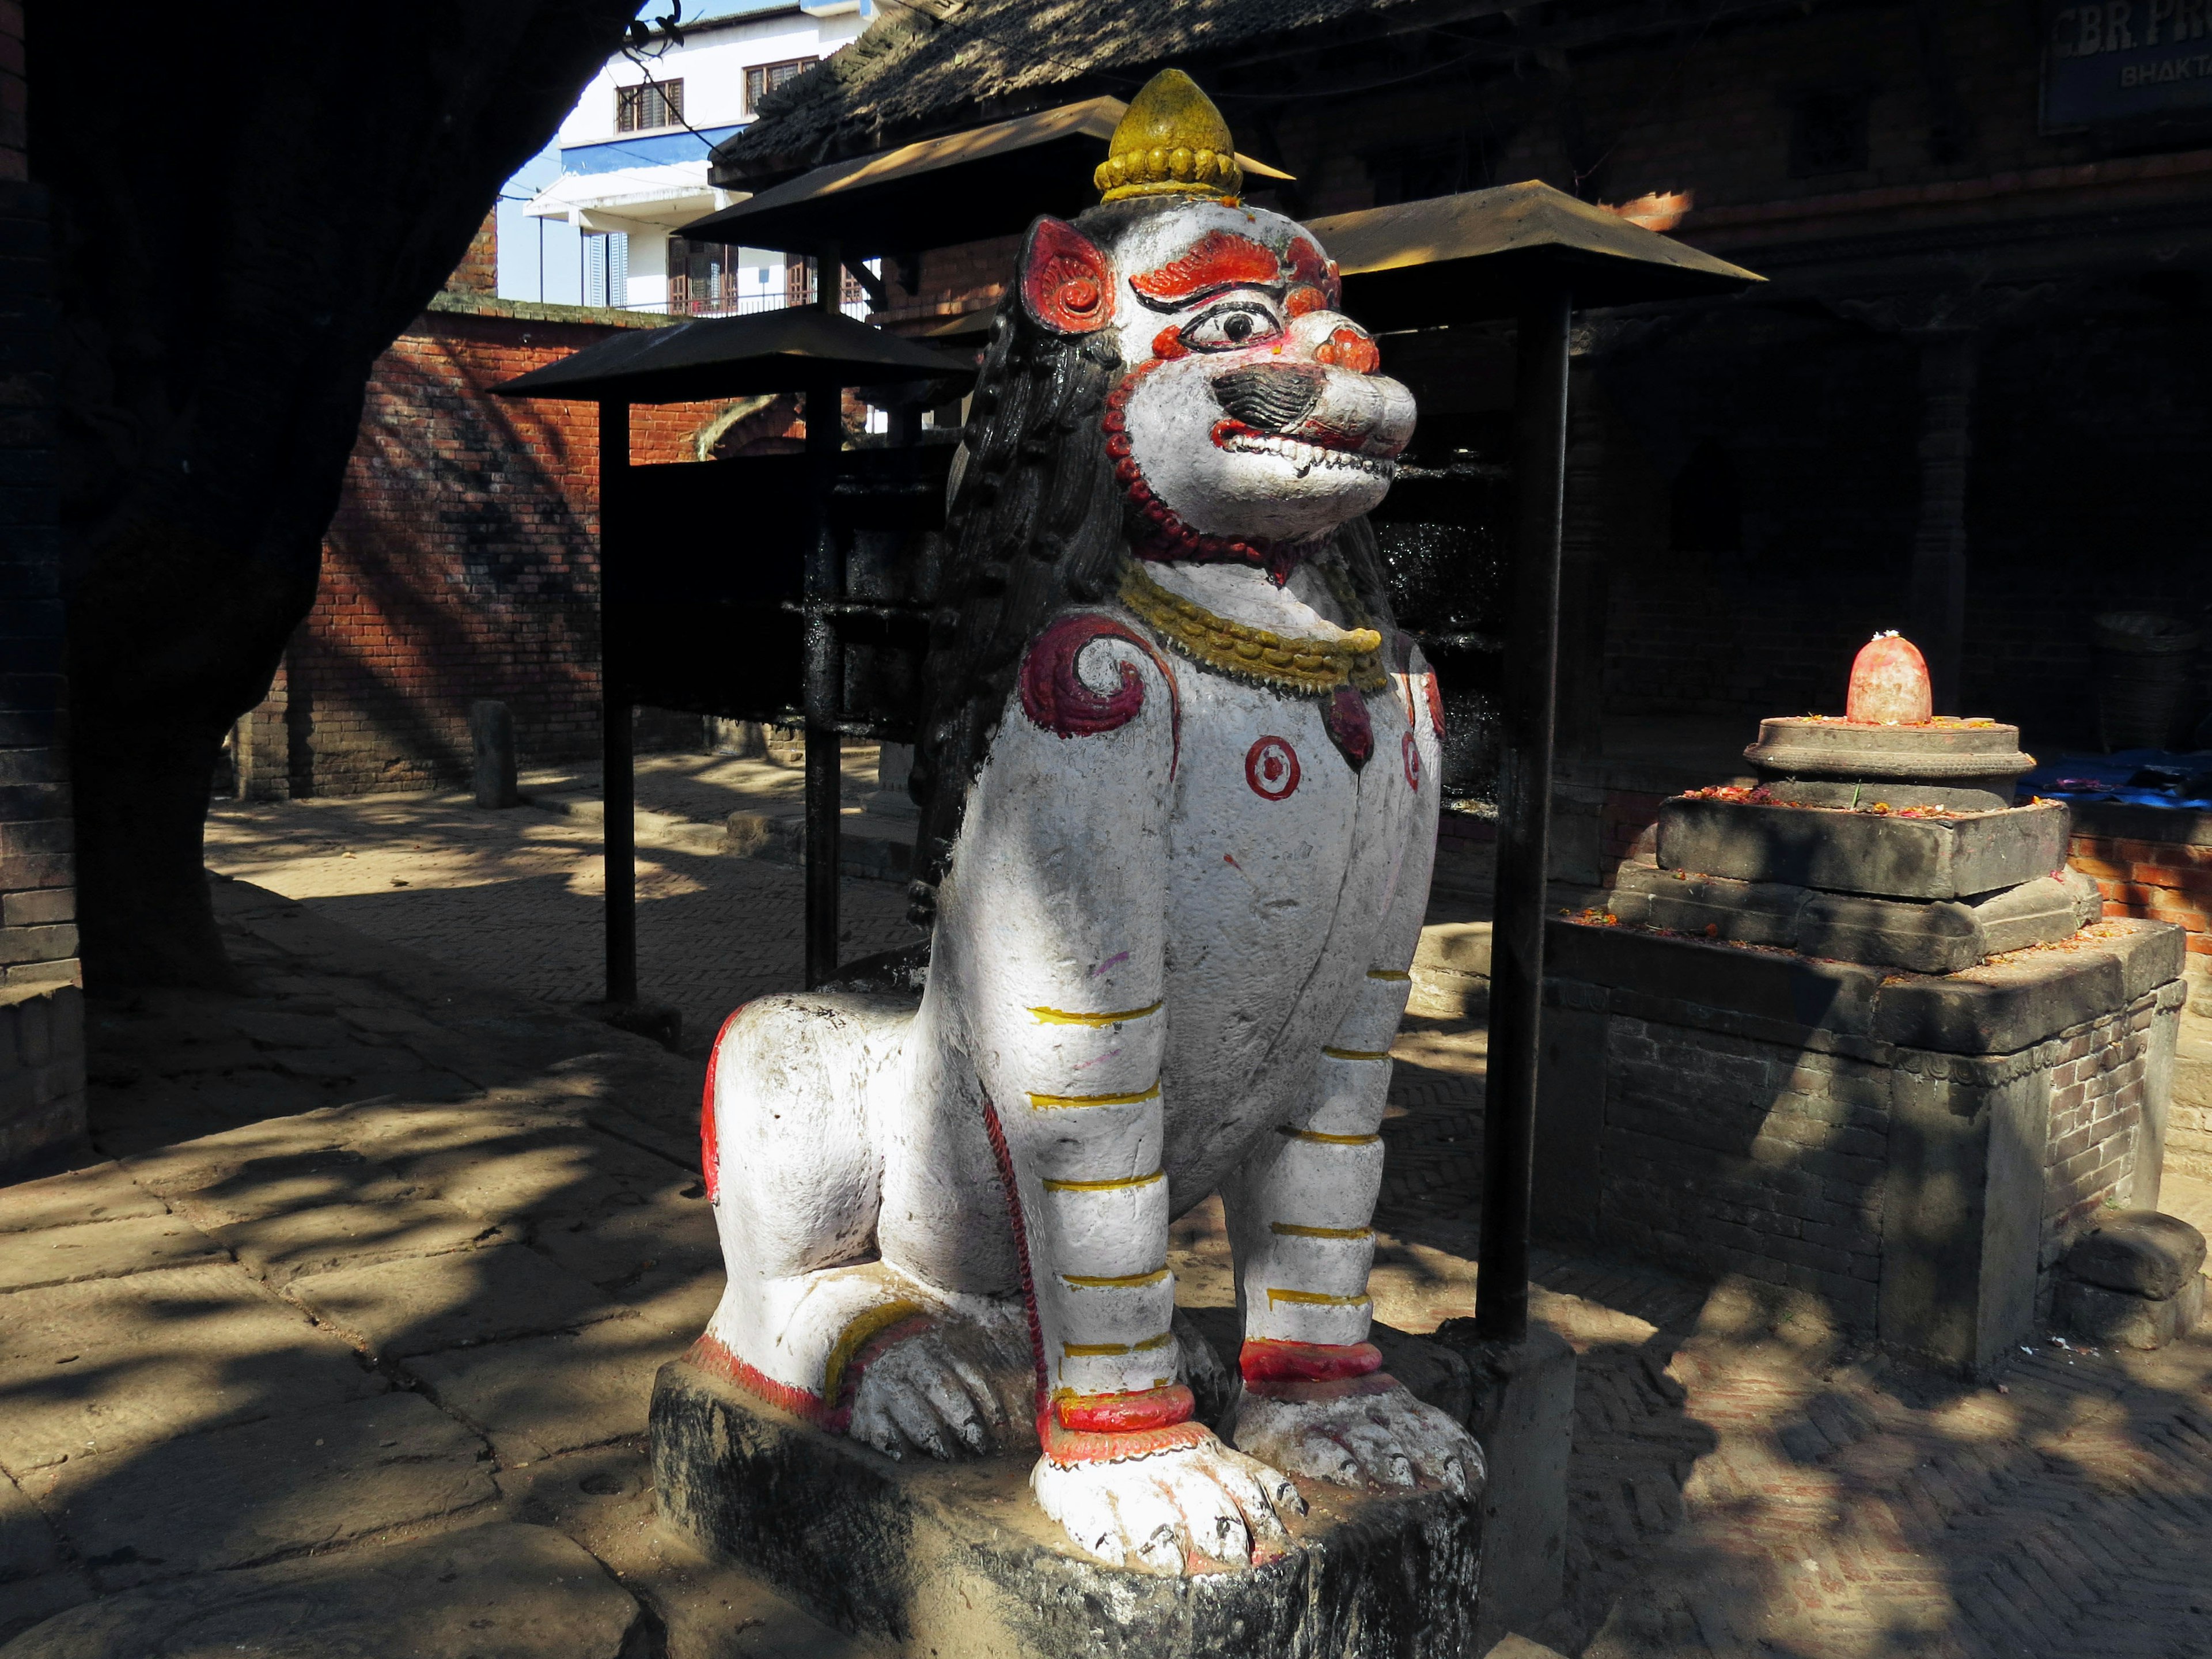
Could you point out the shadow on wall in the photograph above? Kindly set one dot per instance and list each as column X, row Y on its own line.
column 463, row 563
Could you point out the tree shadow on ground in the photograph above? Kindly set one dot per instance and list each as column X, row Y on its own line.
column 1747, row 1479
column 423, row 1296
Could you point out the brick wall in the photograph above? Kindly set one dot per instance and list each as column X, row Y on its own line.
column 462, row 563
column 2156, row 879
column 478, row 270
column 2098, row 1091
column 41, row 1012
column 1725, row 1154
column 954, row 281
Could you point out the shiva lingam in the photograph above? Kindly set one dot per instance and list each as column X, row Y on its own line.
column 1886, row 836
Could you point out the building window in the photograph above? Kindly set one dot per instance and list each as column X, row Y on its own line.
column 656, row 104
column 762, row 79
column 801, row 286
column 1828, row 132
column 606, row 269
column 703, row 278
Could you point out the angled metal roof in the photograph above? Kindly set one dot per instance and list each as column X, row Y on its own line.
column 987, row 181
column 1452, row 258
column 786, row 350
column 924, row 65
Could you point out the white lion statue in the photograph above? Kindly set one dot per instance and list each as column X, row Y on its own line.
column 1179, row 776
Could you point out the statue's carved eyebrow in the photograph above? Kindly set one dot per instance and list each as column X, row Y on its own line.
column 1220, row 258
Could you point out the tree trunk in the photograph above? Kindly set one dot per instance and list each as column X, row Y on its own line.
column 248, row 207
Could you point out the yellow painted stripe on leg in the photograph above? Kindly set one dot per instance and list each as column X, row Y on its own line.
column 1316, row 1298
column 1116, row 1281
column 1388, row 973
column 1105, row 1350
column 1357, row 1053
column 1058, row 1102
column 1292, row 1229
column 1069, row 1017
column 1052, row 1186
column 1321, row 1140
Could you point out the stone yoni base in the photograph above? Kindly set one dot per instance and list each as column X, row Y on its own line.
column 956, row 1559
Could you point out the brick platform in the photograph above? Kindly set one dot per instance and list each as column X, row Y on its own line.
column 1914, row 1150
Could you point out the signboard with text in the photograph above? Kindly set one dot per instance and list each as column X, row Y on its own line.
column 2131, row 61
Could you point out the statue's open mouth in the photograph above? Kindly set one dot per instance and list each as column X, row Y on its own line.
column 1318, row 452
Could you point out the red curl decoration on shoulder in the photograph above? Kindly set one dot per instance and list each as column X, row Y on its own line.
column 1053, row 694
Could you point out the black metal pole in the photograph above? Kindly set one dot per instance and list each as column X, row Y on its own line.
column 617, row 786
column 1524, row 815
column 825, row 658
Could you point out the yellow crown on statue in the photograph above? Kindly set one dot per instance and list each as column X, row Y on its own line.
column 1172, row 141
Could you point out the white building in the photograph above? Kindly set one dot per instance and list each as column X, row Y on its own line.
column 633, row 157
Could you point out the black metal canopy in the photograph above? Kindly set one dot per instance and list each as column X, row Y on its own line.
column 964, row 187
column 1479, row 254
column 784, row 350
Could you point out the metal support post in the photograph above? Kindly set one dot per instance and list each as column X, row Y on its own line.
column 617, row 785
column 1524, row 814
column 825, row 656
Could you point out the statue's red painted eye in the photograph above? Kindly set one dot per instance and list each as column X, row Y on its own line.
column 1232, row 325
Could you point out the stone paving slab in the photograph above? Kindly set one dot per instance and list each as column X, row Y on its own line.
column 513, row 897
column 540, row 1396
column 261, row 1491
column 26, row 1601
column 603, row 1498
column 396, row 1308
column 100, row 1191
column 28, row 1546
column 100, row 1249
column 322, row 1238
column 492, row 1592
column 124, row 1361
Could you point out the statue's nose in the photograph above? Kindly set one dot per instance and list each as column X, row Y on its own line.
column 1270, row 397
column 1334, row 339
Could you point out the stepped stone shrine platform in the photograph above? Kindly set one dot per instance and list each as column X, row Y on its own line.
column 1855, row 1030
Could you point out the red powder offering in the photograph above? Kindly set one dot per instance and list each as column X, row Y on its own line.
column 1889, row 684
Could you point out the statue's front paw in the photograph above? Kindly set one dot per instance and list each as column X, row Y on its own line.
column 1163, row 1508
column 1362, row 1431
column 924, row 1392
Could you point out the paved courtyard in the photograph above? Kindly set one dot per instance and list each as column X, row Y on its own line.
column 356, row 1316
column 516, row 896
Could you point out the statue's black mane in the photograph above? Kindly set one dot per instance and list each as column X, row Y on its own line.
column 1035, row 524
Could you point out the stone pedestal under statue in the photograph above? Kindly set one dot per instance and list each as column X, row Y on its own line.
column 1858, row 1033
column 955, row 1558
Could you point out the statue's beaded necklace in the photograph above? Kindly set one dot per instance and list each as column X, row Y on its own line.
column 1336, row 672
column 1303, row 667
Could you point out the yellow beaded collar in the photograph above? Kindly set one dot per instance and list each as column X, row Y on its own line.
column 1303, row 667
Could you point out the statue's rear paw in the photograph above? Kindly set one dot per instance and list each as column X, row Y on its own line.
column 926, row 1392
column 1166, row 1509
column 1364, row 1432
